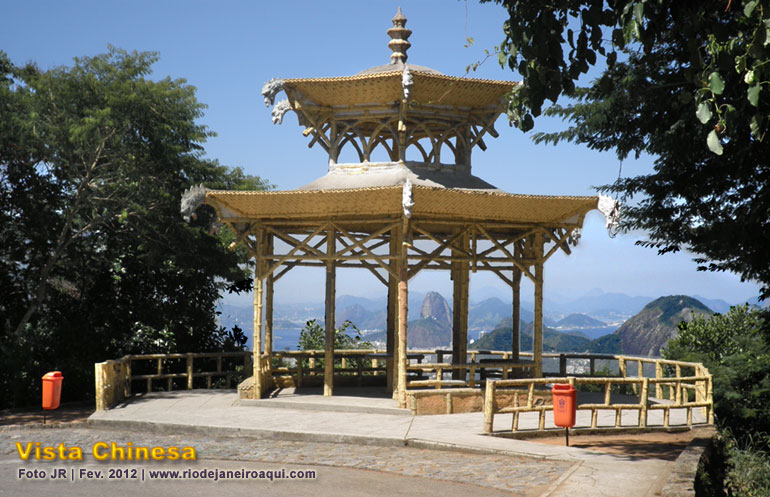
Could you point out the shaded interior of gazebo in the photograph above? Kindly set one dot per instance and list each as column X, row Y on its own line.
column 398, row 217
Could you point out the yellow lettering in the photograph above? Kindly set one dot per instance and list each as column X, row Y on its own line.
column 49, row 454
column 117, row 453
column 99, row 456
column 75, row 454
column 158, row 453
column 173, row 453
column 142, row 453
column 188, row 453
column 24, row 453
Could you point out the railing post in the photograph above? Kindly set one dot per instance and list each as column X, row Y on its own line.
column 658, row 376
column 298, row 363
column 489, row 406
column 710, row 398
column 562, row 365
column 643, row 398
column 622, row 372
column 189, row 371
column 99, row 376
column 127, row 387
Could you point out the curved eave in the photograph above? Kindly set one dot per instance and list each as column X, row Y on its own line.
column 430, row 204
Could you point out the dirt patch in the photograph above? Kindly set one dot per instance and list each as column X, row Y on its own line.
column 655, row 445
column 71, row 412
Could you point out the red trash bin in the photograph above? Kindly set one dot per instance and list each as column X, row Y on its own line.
column 52, row 389
column 564, row 405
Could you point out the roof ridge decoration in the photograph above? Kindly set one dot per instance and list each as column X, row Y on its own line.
column 399, row 42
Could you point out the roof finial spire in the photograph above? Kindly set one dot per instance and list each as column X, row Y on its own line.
column 399, row 42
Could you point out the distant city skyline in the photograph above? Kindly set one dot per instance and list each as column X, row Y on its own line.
column 228, row 50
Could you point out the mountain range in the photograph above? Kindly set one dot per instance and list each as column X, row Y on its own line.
column 643, row 331
column 644, row 334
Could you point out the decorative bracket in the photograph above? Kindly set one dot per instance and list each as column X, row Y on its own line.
column 271, row 89
column 407, row 80
column 574, row 237
column 407, row 201
column 192, row 198
column 279, row 110
column 611, row 210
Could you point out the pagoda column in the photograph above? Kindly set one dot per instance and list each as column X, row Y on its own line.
column 269, row 294
column 516, row 314
column 392, row 320
column 461, row 280
column 257, row 333
column 403, row 312
column 331, row 281
column 537, row 343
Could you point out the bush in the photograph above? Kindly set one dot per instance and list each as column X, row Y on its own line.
column 748, row 473
column 735, row 347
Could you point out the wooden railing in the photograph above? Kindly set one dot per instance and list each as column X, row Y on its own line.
column 673, row 390
column 115, row 379
column 300, row 364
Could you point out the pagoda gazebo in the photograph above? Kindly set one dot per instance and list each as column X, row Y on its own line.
column 397, row 217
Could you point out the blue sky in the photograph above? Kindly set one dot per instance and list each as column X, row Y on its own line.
column 228, row 49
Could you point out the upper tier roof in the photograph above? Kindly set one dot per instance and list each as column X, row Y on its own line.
column 429, row 88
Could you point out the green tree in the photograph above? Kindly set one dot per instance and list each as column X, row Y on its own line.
column 96, row 260
column 313, row 337
column 687, row 83
column 735, row 347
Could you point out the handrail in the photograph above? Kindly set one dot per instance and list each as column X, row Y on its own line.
column 679, row 388
column 115, row 378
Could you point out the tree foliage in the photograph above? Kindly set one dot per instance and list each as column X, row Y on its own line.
column 685, row 82
column 313, row 337
column 96, row 261
column 735, row 347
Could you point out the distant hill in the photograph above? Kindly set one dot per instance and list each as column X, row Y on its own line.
column 428, row 333
column 432, row 330
column 577, row 321
column 553, row 341
column 435, row 307
column 364, row 319
column 488, row 313
column 649, row 330
column 607, row 344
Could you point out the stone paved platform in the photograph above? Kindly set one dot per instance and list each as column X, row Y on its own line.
column 441, row 447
